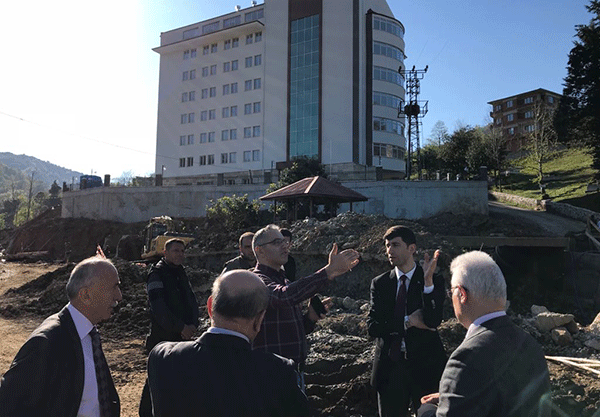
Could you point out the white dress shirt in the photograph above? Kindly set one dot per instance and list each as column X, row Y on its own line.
column 480, row 320
column 89, row 406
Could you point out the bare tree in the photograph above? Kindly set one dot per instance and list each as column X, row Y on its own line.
column 30, row 195
column 541, row 138
column 439, row 133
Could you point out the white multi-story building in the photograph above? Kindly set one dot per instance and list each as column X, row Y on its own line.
column 242, row 94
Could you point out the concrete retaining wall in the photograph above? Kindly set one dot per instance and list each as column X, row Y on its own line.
column 394, row 199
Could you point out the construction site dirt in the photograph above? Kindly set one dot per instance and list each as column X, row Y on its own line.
column 339, row 365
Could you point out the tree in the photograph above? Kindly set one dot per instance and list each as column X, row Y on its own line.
column 541, row 139
column 578, row 116
column 54, row 192
column 495, row 145
column 233, row 212
column 439, row 133
column 454, row 150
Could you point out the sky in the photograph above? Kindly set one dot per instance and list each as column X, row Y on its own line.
column 79, row 80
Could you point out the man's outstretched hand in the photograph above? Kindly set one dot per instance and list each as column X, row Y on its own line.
column 429, row 265
column 342, row 262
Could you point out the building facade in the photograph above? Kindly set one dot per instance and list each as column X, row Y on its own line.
column 242, row 94
column 516, row 115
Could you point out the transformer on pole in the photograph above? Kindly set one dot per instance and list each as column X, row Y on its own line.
column 414, row 110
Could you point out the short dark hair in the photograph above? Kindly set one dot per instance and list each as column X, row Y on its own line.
column 240, row 303
column 244, row 236
column 286, row 233
column 171, row 242
column 402, row 232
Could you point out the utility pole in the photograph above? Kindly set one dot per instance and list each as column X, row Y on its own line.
column 414, row 110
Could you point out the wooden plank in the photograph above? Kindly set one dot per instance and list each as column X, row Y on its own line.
column 585, row 364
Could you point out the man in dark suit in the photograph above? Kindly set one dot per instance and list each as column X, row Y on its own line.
column 406, row 307
column 219, row 374
column 61, row 370
column 498, row 370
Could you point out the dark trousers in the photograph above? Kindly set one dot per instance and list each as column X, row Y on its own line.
column 394, row 398
column 145, row 402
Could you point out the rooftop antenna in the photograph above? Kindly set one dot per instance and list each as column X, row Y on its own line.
column 414, row 110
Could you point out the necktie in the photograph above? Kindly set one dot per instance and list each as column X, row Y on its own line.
column 102, row 374
column 399, row 311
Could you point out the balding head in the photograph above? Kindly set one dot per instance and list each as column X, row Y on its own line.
column 238, row 302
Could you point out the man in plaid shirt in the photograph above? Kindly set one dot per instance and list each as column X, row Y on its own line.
column 284, row 327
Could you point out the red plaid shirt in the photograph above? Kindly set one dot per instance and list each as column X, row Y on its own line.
column 284, row 327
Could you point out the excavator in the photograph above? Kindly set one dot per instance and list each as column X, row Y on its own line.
column 157, row 232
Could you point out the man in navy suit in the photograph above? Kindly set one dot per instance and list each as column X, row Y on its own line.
column 219, row 374
column 498, row 370
column 406, row 307
column 60, row 370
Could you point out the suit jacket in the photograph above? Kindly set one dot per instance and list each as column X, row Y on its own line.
column 219, row 375
column 498, row 370
column 46, row 376
column 424, row 348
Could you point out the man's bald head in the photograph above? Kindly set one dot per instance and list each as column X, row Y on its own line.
column 239, row 294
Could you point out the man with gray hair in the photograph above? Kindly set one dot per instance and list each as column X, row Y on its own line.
column 219, row 374
column 61, row 369
column 499, row 369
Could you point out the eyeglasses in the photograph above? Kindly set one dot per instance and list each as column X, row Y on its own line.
column 450, row 292
column 275, row 242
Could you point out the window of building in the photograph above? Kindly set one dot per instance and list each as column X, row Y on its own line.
column 224, row 158
column 257, row 60
column 205, row 93
column 226, row 89
column 225, row 112
column 191, row 33
column 388, row 151
column 232, row 157
column 247, row 132
column 386, row 74
column 232, row 134
column 213, row 91
column 388, row 125
column 202, row 159
column 205, row 50
column 511, row 130
column 226, row 66
column 249, row 39
column 528, row 114
column 550, row 99
column 190, row 139
column 213, row 69
column 510, row 117
column 498, row 107
column 181, row 162
column 254, row 15
column 234, row 88
column 235, row 42
column 184, row 119
column 528, row 100
column 205, row 71
column 247, row 85
column 211, row 27
column 211, row 160
column 192, row 96
column 256, row 131
column 203, row 115
column 232, row 21
column 234, row 65
column 530, row 128
column 191, row 117
column 499, row 121
column 184, row 97
column 186, row 76
column 203, row 137
column 248, row 108
column 233, row 111
column 192, row 74
column 248, row 62
column 258, row 37
column 193, row 53
column 227, row 43
column 212, row 114
column 390, row 51
column 257, row 83
column 389, row 26
column 256, row 155
column 213, row 48
column 256, row 107
column 186, row 54
column 190, row 161
column 225, row 134
column 247, row 156
column 509, row 103
column 211, row 137
column 182, row 140
column 387, row 100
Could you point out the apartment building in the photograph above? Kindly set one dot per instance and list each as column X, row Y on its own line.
column 242, row 94
column 515, row 115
